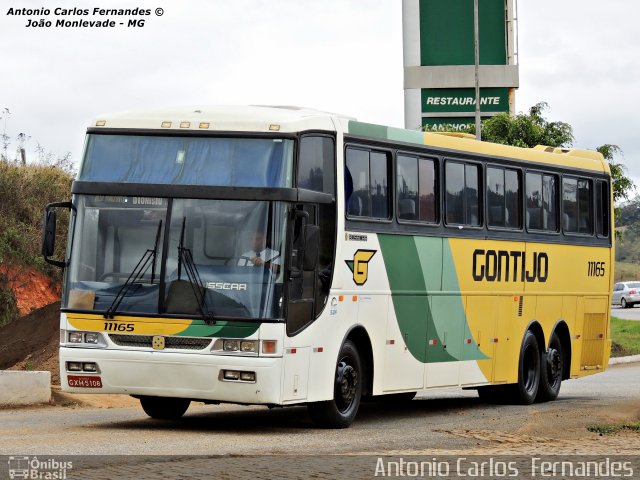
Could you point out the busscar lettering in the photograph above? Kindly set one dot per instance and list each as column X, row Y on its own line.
column 509, row 266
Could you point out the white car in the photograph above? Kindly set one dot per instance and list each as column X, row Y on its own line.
column 626, row 294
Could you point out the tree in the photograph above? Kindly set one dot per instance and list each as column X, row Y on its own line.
column 529, row 130
column 622, row 185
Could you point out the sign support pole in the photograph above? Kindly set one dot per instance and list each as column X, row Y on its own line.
column 477, row 65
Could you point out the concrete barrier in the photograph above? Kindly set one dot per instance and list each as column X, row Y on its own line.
column 621, row 360
column 24, row 388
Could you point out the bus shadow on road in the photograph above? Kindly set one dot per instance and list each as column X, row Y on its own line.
column 295, row 419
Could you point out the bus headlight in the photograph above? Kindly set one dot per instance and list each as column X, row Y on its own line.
column 75, row 337
column 91, row 337
column 78, row 338
column 231, row 345
column 236, row 346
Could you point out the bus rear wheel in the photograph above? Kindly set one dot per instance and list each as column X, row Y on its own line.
column 347, row 392
column 552, row 365
column 164, row 408
column 526, row 390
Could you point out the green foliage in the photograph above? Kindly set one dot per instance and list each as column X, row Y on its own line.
column 622, row 185
column 526, row 130
column 608, row 428
column 626, row 268
column 8, row 308
column 529, row 130
column 24, row 192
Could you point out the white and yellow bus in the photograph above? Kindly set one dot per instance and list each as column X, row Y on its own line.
column 282, row 256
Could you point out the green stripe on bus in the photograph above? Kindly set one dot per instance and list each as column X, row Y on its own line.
column 221, row 329
column 367, row 130
column 433, row 325
column 408, row 136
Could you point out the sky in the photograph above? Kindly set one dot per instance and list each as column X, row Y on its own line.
column 580, row 56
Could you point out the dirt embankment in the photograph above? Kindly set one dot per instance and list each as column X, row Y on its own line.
column 31, row 288
column 31, row 342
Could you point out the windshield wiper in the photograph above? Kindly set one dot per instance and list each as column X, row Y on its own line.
column 199, row 291
column 147, row 260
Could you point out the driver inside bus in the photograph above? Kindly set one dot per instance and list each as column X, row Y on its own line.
column 260, row 254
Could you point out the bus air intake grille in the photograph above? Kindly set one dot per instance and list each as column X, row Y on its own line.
column 174, row 343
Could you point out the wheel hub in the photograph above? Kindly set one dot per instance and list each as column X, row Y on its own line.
column 554, row 363
column 346, row 383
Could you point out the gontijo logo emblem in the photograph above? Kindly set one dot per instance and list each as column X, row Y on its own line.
column 360, row 265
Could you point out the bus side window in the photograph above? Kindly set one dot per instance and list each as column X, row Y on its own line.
column 416, row 189
column 367, row 183
column 602, row 209
column 316, row 164
column 576, row 206
column 462, row 199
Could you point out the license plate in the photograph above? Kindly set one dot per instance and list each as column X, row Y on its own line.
column 78, row 381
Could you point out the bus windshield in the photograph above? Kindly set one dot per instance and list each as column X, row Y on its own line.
column 216, row 258
column 238, row 162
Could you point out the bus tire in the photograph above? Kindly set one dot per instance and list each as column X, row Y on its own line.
column 551, row 366
column 496, row 394
column 164, row 408
column 347, row 392
column 526, row 390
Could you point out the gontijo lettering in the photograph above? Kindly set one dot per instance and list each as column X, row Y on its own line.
column 509, row 266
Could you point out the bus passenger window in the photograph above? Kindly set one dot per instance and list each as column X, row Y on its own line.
column 602, row 209
column 379, row 186
column 366, row 184
column 542, row 202
column 416, row 189
column 472, row 195
column 503, row 197
column 455, row 190
column 576, row 206
column 533, row 213
column 462, row 200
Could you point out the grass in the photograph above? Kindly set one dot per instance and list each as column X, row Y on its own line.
column 608, row 428
column 626, row 337
column 626, row 271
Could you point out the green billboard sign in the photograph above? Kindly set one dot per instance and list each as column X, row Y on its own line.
column 446, row 124
column 446, row 32
column 463, row 100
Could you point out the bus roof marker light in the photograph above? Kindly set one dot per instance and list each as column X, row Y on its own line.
column 101, row 123
column 166, row 125
column 204, row 125
column 274, row 127
column 185, row 124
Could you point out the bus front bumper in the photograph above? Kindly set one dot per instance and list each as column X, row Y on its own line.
column 165, row 374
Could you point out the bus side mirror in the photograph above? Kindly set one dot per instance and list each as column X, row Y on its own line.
column 49, row 232
column 311, row 247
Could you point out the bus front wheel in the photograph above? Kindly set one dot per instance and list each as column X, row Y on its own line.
column 164, row 408
column 347, row 392
column 526, row 390
column 551, row 371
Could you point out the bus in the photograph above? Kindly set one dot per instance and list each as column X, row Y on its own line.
column 284, row 256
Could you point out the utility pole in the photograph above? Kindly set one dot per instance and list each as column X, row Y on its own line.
column 476, row 38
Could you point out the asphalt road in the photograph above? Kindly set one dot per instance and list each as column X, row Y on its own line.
column 446, row 421
column 626, row 313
